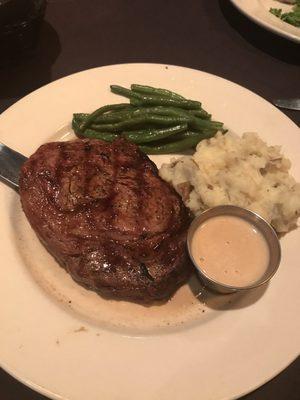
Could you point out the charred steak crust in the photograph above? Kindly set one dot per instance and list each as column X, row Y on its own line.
column 104, row 213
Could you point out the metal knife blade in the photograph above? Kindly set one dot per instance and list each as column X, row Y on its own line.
column 290, row 104
column 10, row 164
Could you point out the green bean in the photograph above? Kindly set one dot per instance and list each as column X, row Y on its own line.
column 159, row 110
column 187, row 134
column 107, row 136
column 200, row 113
column 141, row 111
column 174, row 147
column 152, row 135
column 76, row 126
column 194, row 122
column 138, row 99
column 108, row 118
column 83, row 116
column 131, row 113
column 105, row 118
column 122, row 115
column 177, row 112
column 140, row 121
column 205, row 134
column 164, row 101
column 143, row 89
column 80, row 116
column 168, row 111
column 199, row 124
column 112, row 117
column 124, row 92
column 100, row 111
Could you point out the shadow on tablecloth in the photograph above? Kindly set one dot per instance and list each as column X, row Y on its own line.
column 31, row 73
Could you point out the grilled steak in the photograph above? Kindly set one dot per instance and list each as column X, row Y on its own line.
column 107, row 217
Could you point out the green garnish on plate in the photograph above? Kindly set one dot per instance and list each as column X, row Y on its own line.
column 292, row 17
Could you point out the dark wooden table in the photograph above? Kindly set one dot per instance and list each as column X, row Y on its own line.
column 207, row 35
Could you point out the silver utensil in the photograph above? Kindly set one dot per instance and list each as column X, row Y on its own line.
column 10, row 164
column 289, row 104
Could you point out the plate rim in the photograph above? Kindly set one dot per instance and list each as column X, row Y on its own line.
column 53, row 396
column 35, row 386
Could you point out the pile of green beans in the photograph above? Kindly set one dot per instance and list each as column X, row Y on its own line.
column 157, row 120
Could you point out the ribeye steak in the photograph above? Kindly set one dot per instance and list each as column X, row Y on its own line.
column 107, row 217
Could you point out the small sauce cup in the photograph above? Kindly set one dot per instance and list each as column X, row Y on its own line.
column 259, row 225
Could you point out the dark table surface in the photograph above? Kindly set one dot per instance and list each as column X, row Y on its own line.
column 207, row 35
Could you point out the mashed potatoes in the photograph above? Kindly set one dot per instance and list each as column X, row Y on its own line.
column 241, row 171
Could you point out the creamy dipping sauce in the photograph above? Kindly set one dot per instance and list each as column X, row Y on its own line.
column 230, row 250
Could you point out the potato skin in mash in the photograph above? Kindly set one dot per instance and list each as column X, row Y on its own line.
column 242, row 171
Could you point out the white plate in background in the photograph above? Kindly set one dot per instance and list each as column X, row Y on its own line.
column 258, row 11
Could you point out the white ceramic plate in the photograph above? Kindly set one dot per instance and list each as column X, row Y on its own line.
column 258, row 11
column 68, row 343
